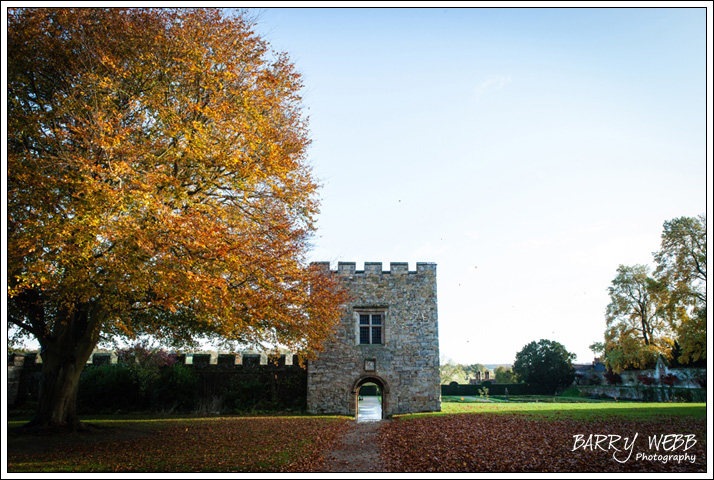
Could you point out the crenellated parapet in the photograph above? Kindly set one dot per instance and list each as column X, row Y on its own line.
column 375, row 268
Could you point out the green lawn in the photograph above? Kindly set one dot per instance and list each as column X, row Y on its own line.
column 522, row 399
column 583, row 411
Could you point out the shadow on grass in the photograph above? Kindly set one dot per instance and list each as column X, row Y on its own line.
column 215, row 444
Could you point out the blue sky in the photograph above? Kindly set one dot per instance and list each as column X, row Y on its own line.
column 528, row 152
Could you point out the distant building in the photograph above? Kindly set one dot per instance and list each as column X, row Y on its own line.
column 482, row 377
column 589, row 373
column 596, row 366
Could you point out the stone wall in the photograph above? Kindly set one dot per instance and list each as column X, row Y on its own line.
column 405, row 365
column 23, row 378
column 642, row 393
column 231, row 382
column 686, row 377
column 15, row 364
column 23, row 370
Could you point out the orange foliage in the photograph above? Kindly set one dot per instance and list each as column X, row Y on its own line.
column 157, row 180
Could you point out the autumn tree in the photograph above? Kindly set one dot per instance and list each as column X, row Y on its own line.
column 545, row 365
column 157, row 184
column 664, row 313
column 637, row 331
column 682, row 270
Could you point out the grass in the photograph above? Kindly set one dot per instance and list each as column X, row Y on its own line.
column 580, row 410
column 521, row 399
column 155, row 420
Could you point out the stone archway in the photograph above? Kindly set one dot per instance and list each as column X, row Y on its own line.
column 354, row 397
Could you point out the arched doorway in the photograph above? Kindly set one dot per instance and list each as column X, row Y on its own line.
column 370, row 397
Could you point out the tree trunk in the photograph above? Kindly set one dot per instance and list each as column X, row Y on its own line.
column 645, row 332
column 59, row 384
column 64, row 355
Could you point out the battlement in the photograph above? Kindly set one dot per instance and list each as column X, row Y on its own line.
column 373, row 268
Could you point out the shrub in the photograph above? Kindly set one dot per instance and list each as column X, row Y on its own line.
column 145, row 362
column 650, row 395
column 683, row 395
column 669, row 379
column 572, row 392
column 247, row 394
column 612, row 378
column 646, row 380
column 174, row 388
column 108, row 388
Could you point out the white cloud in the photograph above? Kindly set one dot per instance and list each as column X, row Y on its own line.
column 492, row 84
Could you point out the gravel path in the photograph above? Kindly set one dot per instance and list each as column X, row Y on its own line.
column 359, row 450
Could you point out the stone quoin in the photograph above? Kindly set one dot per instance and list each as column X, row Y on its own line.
column 388, row 335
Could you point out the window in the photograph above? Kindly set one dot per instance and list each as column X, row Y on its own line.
column 370, row 328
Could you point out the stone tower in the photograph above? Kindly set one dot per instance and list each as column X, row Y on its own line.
column 388, row 335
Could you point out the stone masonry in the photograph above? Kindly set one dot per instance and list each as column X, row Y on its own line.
column 388, row 335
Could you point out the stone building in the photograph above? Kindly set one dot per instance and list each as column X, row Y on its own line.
column 388, row 335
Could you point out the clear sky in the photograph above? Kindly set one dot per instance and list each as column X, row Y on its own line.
column 527, row 152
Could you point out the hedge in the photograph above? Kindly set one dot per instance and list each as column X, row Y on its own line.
column 112, row 388
column 458, row 390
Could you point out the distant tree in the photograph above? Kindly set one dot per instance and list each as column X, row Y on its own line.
column 505, row 375
column 682, row 270
column 456, row 372
column 451, row 371
column 546, row 365
column 677, row 361
column 637, row 330
column 470, row 371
